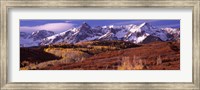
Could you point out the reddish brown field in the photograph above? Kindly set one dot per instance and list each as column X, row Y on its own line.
column 123, row 56
column 153, row 56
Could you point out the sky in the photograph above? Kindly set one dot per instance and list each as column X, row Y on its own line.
column 62, row 25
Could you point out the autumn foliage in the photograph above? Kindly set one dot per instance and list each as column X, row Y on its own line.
column 102, row 55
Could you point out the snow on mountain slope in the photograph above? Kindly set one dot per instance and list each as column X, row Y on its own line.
column 148, row 29
column 121, row 33
column 133, row 33
column 38, row 35
column 108, row 36
column 25, row 41
column 61, row 37
column 34, row 39
column 173, row 33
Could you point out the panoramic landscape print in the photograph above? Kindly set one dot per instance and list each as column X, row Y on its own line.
column 99, row 44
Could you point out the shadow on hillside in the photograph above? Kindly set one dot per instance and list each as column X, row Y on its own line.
column 35, row 55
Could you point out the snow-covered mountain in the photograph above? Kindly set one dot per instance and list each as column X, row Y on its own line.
column 34, row 39
column 143, row 33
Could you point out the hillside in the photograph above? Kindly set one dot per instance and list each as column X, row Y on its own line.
column 110, row 55
column 35, row 55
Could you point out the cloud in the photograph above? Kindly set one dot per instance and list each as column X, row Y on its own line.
column 56, row 27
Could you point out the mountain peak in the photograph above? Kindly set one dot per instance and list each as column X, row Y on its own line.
column 85, row 25
column 144, row 24
column 40, row 34
column 41, row 31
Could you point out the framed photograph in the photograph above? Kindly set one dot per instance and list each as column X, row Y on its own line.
column 94, row 44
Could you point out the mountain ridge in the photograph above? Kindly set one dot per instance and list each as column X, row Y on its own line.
column 133, row 33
